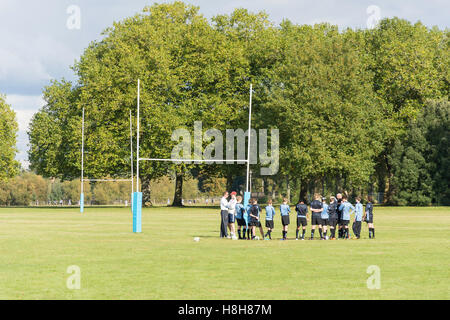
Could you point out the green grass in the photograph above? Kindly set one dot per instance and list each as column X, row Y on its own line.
column 38, row 245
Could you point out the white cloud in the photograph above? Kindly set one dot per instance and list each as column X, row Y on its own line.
column 25, row 107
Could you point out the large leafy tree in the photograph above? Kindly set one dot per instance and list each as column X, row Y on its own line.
column 420, row 161
column 410, row 65
column 323, row 104
column 8, row 134
column 188, row 72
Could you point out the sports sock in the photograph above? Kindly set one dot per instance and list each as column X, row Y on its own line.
column 333, row 233
column 325, row 234
column 303, row 233
column 270, row 234
column 312, row 233
column 320, row 233
column 239, row 233
column 296, row 235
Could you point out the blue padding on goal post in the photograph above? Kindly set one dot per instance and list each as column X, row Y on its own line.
column 82, row 202
column 247, row 196
column 137, row 212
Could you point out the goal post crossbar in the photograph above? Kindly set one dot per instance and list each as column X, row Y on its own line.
column 193, row 160
column 107, row 180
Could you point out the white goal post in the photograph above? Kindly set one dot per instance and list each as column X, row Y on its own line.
column 137, row 196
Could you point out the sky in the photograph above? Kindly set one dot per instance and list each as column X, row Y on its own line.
column 41, row 40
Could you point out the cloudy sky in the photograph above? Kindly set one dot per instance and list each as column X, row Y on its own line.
column 36, row 44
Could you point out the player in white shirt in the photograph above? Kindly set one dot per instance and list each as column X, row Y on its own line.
column 224, row 215
column 232, row 216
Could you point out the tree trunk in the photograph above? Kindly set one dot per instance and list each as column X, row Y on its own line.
column 230, row 181
column 274, row 188
column 178, row 197
column 288, row 189
column 303, row 190
column 389, row 189
column 265, row 186
column 146, row 192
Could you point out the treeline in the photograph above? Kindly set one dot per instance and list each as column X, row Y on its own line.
column 29, row 189
column 357, row 110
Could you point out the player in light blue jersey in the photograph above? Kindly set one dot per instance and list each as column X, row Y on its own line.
column 346, row 208
column 239, row 208
column 356, row 227
column 285, row 221
column 325, row 218
column 270, row 214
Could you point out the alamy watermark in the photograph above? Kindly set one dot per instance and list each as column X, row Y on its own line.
column 73, row 282
column 374, row 281
column 374, row 18
column 74, row 20
column 235, row 148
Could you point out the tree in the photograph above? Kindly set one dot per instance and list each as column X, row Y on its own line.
column 323, row 104
column 8, row 133
column 420, row 162
column 410, row 65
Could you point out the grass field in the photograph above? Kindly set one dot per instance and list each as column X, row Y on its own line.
column 38, row 245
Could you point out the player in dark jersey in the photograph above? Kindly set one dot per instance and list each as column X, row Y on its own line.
column 316, row 217
column 302, row 215
column 255, row 219
column 368, row 217
column 339, row 215
column 333, row 217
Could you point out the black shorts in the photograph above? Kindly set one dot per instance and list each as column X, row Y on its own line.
column 339, row 217
column 241, row 222
column 316, row 220
column 269, row 224
column 301, row 222
column 255, row 223
column 325, row 222
column 333, row 222
column 370, row 220
column 344, row 222
column 285, row 220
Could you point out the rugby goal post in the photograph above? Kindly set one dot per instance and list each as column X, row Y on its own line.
column 105, row 180
column 137, row 195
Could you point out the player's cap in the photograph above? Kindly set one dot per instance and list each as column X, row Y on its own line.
column 234, row 193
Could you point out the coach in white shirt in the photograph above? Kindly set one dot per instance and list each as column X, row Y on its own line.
column 224, row 215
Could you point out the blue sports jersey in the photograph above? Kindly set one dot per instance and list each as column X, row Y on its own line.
column 239, row 208
column 324, row 214
column 358, row 212
column 285, row 210
column 247, row 213
column 270, row 213
column 345, row 207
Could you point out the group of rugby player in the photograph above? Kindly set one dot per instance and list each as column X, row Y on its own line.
column 325, row 216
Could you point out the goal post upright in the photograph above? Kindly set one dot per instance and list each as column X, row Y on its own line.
column 131, row 160
column 82, row 166
column 137, row 196
column 247, row 194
